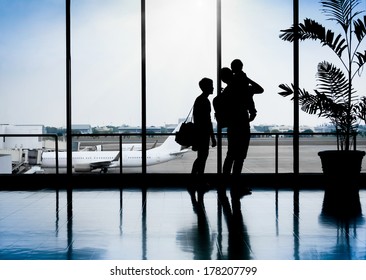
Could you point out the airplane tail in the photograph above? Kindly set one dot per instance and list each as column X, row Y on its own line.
column 170, row 144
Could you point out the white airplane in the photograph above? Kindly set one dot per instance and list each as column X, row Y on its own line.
column 84, row 161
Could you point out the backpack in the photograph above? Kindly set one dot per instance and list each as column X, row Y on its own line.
column 222, row 109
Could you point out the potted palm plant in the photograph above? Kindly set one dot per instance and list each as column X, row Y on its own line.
column 334, row 96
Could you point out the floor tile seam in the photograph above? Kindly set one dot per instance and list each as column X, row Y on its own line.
column 359, row 240
column 31, row 202
column 352, row 236
column 18, row 210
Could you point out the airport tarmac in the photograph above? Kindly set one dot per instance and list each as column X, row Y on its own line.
column 261, row 156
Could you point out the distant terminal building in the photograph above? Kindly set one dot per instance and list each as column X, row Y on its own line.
column 81, row 129
column 30, row 142
column 284, row 128
column 306, row 128
column 129, row 129
column 5, row 164
column 17, row 150
column 150, row 130
column 169, row 128
column 280, row 128
column 125, row 129
column 325, row 128
column 362, row 129
column 153, row 130
column 103, row 129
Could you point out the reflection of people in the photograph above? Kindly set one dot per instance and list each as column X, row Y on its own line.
column 198, row 239
column 242, row 112
column 238, row 239
column 203, row 126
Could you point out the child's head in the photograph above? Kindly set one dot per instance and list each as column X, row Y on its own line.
column 226, row 75
column 236, row 65
column 206, row 85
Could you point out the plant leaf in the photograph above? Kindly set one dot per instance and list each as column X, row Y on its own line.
column 361, row 59
column 340, row 11
column 360, row 28
column 360, row 109
column 310, row 29
column 330, row 98
column 287, row 90
column 333, row 82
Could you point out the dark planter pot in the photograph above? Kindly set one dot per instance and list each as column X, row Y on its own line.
column 341, row 163
column 341, row 170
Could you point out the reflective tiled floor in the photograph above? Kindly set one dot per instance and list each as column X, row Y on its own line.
column 165, row 224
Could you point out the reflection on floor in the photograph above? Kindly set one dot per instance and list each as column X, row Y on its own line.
column 166, row 224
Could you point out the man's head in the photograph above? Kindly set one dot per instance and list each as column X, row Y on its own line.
column 226, row 75
column 206, row 85
column 236, row 65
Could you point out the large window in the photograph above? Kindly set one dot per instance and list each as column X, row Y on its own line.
column 107, row 77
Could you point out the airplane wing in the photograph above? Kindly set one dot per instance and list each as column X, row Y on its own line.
column 103, row 164
column 100, row 164
column 181, row 152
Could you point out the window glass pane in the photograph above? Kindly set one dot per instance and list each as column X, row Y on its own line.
column 106, row 69
column 32, row 68
column 250, row 32
column 312, row 52
column 106, row 75
column 181, row 50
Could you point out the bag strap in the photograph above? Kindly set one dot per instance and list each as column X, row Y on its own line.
column 189, row 114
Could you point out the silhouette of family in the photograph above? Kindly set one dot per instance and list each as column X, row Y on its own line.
column 234, row 109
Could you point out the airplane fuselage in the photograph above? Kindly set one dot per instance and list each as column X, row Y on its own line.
column 84, row 160
column 89, row 160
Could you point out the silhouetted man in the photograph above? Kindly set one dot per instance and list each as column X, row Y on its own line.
column 246, row 86
column 242, row 112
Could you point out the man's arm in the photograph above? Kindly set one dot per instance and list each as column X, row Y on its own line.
column 254, row 87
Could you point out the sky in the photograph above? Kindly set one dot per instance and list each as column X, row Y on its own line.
column 180, row 50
